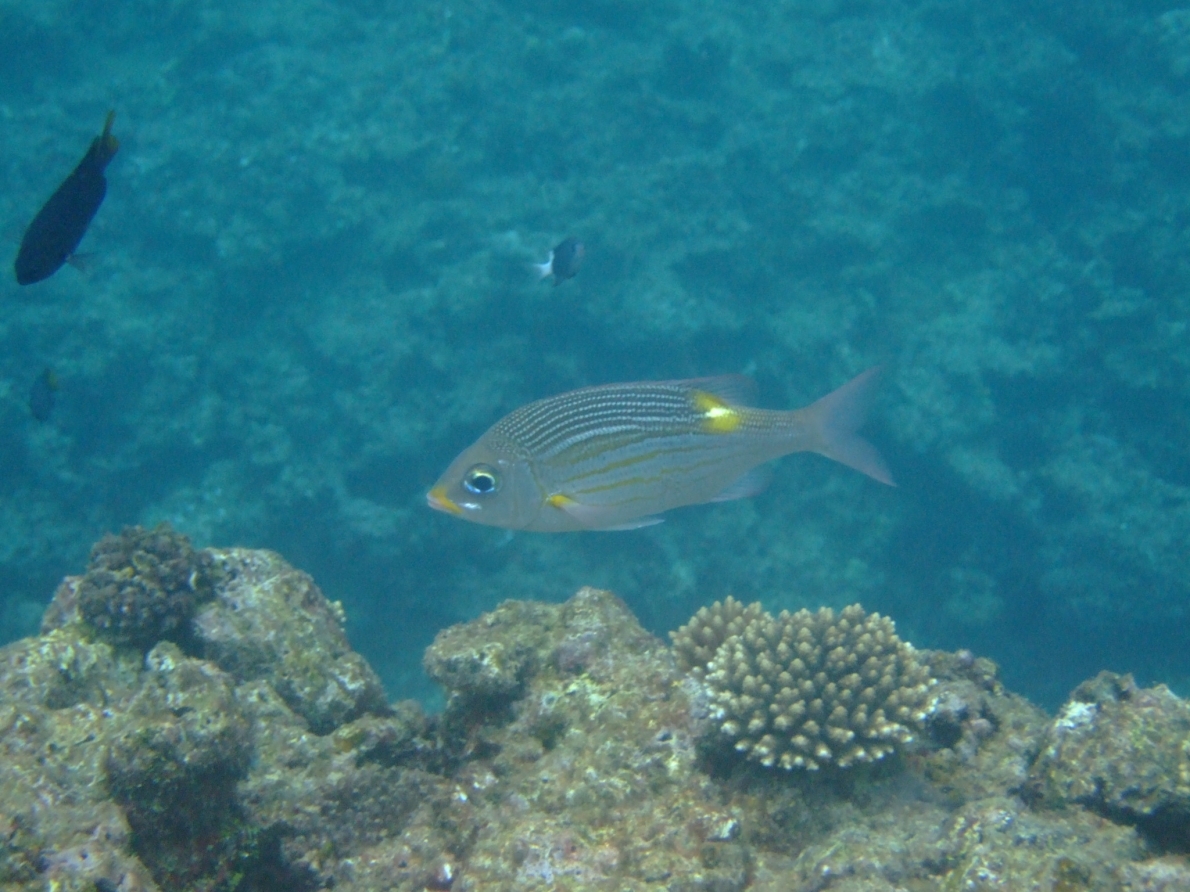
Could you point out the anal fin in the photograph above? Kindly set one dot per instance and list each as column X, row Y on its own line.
column 748, row 484
column 650, row 521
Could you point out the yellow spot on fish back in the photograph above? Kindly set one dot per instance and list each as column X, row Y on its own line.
column 717, row 416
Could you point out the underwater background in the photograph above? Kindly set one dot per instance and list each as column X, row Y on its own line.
column 311, row 286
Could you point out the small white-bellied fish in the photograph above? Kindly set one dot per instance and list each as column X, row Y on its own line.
column 614, row 457
column 563, row 262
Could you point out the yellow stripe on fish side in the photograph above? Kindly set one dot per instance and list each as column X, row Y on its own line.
column 717, row 416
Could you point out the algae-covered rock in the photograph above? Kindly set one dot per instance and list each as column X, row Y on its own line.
column 488, row 663
column 325, row 799
column 121, row 770
column 993, row 843
column 270, row 621
column 982, row 738
column 588, row 778
column 174, row 755
column 257, row 755
column 59, row 701
column 59, row 670
column 490, row 660
column 183, row 737
column 1123, row 751
column 1168, row 874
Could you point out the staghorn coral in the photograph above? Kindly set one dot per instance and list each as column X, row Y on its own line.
column 144, row 586
column 806, row 689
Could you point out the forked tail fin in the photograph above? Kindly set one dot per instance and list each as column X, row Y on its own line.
column 834, row 423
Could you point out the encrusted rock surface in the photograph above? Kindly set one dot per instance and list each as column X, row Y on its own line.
column 125, row 770
column 1123, row 751
column 58, row 825
column 575, row 753
column 270, row 621
column 180, row 745
column 591, row 782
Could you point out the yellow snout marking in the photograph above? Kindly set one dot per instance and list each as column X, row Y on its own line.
column 717, row 416
column 438, row 498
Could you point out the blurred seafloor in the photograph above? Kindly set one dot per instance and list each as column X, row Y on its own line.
column 311, row 289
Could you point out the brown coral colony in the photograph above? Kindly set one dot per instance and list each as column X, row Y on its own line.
column 803, row 690
column 143, row 586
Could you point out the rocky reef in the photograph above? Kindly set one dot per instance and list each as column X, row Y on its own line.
column 250, row 749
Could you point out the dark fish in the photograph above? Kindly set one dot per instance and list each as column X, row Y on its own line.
column 42, row 395
column 564, row 261
column 62, row 221
column 615, row 457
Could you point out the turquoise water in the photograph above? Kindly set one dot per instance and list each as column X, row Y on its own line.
column 310, row 287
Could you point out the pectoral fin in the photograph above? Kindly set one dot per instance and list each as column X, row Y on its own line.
column 598, row 517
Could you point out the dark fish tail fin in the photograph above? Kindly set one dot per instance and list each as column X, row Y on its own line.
column 84, row 262
column 834, row 422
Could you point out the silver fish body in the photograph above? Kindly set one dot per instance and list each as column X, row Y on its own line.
column 617, row 455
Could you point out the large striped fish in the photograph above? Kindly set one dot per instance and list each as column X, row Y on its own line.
column 614, row 457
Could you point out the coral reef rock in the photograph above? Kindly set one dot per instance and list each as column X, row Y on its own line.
column 804, row 689
column 588, row 775
column 204, row 763
column 256, row 754
column 270, row 621
column 1123, row 751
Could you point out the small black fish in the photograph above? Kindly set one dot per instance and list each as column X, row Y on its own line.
column 42, row 395
column 62, row 221
column 564, row 261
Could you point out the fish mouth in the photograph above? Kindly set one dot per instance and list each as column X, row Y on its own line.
column 439, row 501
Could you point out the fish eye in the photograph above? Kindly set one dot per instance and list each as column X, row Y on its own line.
column 481, row 480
